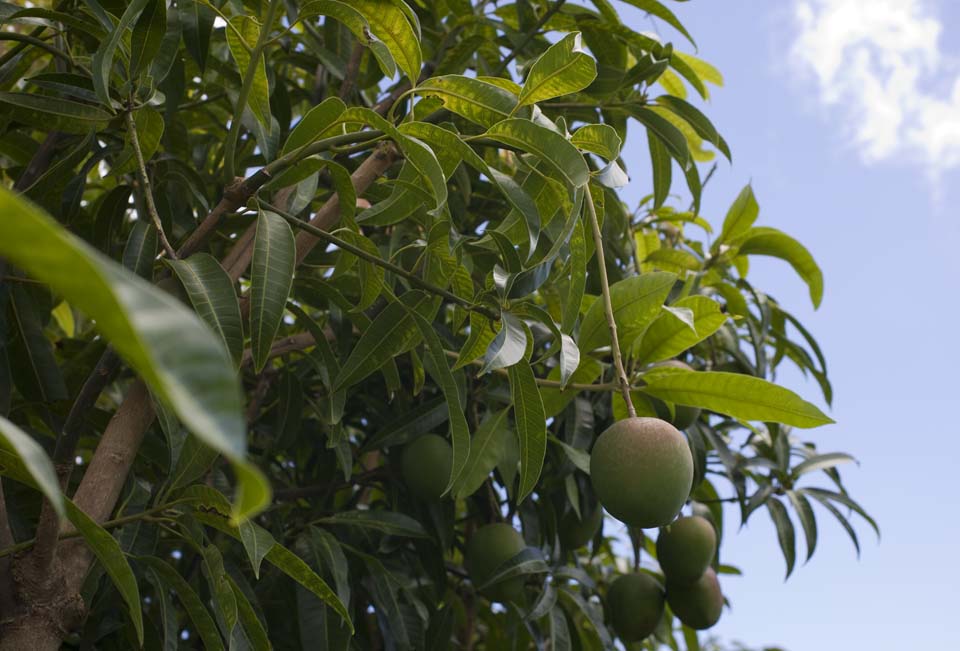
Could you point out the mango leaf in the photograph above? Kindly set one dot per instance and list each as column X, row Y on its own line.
column 149, row 125
column 31, row 352
column 55, row 113
column 212, row 295
column 33, row 461
column 668, row 337
column 479, row 101
column 486, row 450
column 636, row 302
column 248, row 619
column 786, row 535
column 807, row 520
column 312, row 126
column 741, row 396
column 388, row 522
column 740, row 217
column 389, row 23
column 670, row 136
column 508, row 347
column 148, row 33
column 271, row 277
column 141, row 249
column 528, row 561
column 696, row 119
column 391, row 333
column 242, row 37
column 170, row 348
column 531, row 425
column 657, row 9
column 563, row 69
column 821, row 462
column 769, row 241
column 285, row 561
column 102, row 60
column 114, row 561
column 436, row 365
column 356, row 23
column 203, row 623
column 600, row 139
column 554, row 150
column 257, row 541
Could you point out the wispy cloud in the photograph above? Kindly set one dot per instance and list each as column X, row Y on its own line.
column 880, row 64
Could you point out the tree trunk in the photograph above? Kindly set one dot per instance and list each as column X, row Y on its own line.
column 33, row 632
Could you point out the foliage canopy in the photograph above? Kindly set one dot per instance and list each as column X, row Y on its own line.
column 252, row 249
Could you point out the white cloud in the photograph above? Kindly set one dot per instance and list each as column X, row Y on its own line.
column 880, row 63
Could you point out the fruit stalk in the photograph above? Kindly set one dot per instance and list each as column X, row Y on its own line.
column 608, row 308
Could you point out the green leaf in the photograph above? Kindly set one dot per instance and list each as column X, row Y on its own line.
column 636, row 302
column 203, row 623
column 696, row 119
column 821, row 462
column 416, row 152
column 257, row 541
column 114, row 561
column 252, row 626
column 531, row 425
column 554, row 400
column 844, row 499
column 485, row 452
column 285, row 561
column 436, row 365
column 564, row 68
column 600, row 139
column 389, row 23
column 841, row 518
column 508, row 346
column 165, row 343
column 102, row 60
column 242, row 37
column 785, row 532
column 31, row 353
column 148, row 33
column 549, row 146
column 657, row 9
column 741, row 396
column 740, row 217
column 578, row 277
column 478, row 101
column 769, row 241
column 393, row 332
column 141, row 249
column 58, row 114
column 670, row 136
column 314, row 124
column 388, row 522
column 676, row 260
column 356, row 23
column 212, row 295
column 271, row 277
column 668, row 337
column 528, row 561
column 34, row 461
column 807, row 520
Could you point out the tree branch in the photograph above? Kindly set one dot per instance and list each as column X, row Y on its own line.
column 145, row 186
column 608, row 306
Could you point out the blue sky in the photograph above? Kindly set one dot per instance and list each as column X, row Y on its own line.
column 845, row 116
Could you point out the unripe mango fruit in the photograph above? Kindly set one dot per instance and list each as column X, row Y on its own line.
column 490, row 547
column 425, row 466
column 635, row 602
column 697, row 604
column 574, row 532
column 642, row 471
column 685, row 548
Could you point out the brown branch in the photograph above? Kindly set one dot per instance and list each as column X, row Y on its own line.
column 353, row 68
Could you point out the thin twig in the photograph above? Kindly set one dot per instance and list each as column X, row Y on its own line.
column 109, row 524
column 532, row 34
column 608, row 307
column 145, row 185
column 380, row 262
